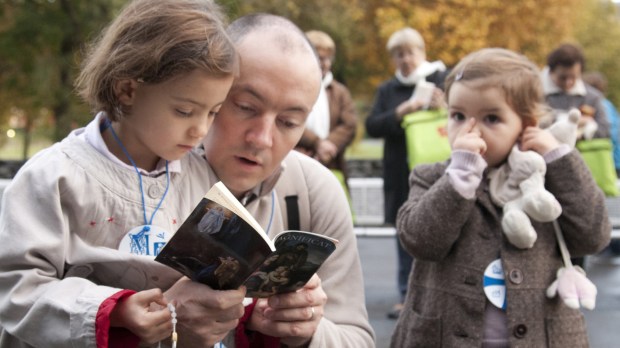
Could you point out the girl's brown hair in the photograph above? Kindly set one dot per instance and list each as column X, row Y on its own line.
column 152, row 41
column 513, row 73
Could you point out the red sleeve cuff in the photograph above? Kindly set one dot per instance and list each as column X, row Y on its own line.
column 253, row 339
column 115, row 336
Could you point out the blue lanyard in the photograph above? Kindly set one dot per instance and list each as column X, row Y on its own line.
column 147, row 223
column 273, row 198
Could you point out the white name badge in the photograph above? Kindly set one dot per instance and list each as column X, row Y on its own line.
column 494, row 284
column 147, row 240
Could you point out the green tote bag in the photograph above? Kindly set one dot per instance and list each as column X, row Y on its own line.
column 597, row 153
column 426, row 136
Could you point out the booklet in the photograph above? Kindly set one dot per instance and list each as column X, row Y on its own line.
column 223, row 246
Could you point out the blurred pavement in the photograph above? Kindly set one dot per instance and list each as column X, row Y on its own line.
column 379, row 267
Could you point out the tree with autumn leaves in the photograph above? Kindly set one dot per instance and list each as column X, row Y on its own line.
column 41, row 40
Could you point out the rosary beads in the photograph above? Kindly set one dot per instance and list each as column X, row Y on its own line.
column 173, row 312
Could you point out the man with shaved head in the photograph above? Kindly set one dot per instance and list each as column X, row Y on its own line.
column 249, row 148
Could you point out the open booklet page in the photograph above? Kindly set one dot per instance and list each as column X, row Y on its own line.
column 216, row 247
column 297, row 257
column 221, row 245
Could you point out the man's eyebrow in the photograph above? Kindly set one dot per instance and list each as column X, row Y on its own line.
column 252, row 91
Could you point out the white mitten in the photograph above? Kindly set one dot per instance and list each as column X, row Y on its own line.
column 574, row 288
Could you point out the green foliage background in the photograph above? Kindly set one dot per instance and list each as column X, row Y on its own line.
column 41, row 42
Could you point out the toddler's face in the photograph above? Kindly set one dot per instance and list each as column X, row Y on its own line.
column 496, row 124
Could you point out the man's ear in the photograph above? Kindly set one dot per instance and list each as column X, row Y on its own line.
column 125, row 91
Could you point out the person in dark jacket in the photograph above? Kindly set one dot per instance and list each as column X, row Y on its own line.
column 392, row 102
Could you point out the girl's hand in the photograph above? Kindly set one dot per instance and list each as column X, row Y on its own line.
column 468, row 138
column 538, row 140
column 135, row 314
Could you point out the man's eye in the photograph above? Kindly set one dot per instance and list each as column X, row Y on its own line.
column 288, row 124
column 244, row 108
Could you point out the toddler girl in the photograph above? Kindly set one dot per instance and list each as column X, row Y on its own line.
column 453, row 229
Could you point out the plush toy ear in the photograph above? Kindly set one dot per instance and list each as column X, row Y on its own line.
column 565, row 128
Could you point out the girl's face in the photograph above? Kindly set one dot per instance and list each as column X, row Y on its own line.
column 407, row 58
column 166, row 120
column 496, row 123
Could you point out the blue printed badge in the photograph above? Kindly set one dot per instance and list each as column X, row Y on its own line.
column 494, row 284
column 145, row 240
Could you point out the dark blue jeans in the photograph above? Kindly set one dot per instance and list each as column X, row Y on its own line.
column 404, row 268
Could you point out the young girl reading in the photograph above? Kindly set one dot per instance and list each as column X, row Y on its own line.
column 453, row 229
column 82, row 220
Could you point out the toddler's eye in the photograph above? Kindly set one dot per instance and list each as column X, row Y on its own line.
column 457, row 116
column 492, row 119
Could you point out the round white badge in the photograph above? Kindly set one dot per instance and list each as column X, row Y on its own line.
column 147, row 240
column 494, row 284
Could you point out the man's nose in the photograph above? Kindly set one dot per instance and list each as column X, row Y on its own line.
column 261, row 133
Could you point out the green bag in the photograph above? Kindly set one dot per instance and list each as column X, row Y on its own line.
column 426, row 136
column 597, row 153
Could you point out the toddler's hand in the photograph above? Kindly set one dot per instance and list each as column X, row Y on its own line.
column 135, row 314
column 538, row 140
column 469, row 139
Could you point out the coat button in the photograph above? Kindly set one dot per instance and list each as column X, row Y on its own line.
column 516, row 276
column 520, row 331
column 471, row 280
column 155, row 191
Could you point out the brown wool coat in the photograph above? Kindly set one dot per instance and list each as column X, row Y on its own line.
column 453, row 239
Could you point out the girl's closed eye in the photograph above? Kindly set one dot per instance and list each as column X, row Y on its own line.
column 184, row 113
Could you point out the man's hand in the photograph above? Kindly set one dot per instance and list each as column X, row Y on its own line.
column 293, row 317
column 205, row 316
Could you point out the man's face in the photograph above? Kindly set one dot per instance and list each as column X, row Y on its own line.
column 565, row 76
column 264, row 114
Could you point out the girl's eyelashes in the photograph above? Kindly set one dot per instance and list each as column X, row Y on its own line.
column 184, row 113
